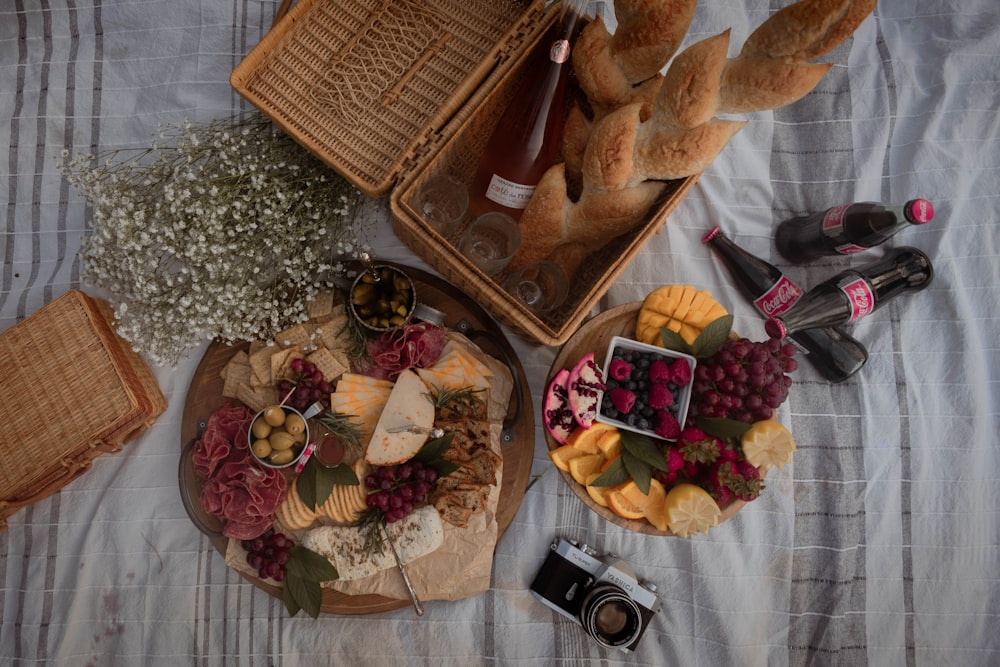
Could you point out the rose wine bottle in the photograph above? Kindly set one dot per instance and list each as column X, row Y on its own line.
column 855, row 293
column 843, row 230
column 832, row 352
column 526, row 140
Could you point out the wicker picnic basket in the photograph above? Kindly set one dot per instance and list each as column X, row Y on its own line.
column 392, row 92
column 72, row 390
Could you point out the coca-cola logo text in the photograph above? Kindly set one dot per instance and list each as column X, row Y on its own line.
column 779, row 298
column 859, row 293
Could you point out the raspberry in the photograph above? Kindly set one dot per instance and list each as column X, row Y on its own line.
column 660, row 397
column 620, row 369
column 667, row 427
column 622, row 399
column 659, row 371
column 680, row 372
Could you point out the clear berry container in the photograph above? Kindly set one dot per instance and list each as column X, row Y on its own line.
column 644, row 415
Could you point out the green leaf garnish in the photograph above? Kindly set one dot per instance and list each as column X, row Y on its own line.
column 643, row 448
column 315, row 483
column 727, row 429
column 432, row 454
column 673, row 341
column 712, row 337
column 304, row 571
column 638, row 470
column 615, row 474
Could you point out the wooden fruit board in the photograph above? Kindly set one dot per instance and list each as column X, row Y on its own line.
column 462, row 313
column 595, row 336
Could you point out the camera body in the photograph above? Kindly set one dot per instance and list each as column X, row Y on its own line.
column 600, row 593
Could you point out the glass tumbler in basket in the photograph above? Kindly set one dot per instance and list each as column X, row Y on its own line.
column 443, row 201
column 541, row 286
column 491, row 241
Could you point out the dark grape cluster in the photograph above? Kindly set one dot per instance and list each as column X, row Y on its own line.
column 268, row 554
column 398, row 490
column 306, row 387
column 744, row 380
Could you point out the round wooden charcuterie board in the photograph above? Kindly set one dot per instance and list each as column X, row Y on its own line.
column 461, row 313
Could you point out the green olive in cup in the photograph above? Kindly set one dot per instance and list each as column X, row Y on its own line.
column 278, row 435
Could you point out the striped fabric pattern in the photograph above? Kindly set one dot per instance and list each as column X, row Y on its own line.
column 879, row 545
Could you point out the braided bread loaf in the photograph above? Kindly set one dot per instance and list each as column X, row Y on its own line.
column 644, row 128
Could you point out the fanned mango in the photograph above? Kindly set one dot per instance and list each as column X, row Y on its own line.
column 680, row 308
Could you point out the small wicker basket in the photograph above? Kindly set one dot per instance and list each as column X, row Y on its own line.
column 392, row 92
column 72, row 390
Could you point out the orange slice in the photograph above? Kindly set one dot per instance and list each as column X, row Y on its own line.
column 586, row 439
column 768, row 444
column 621, row 506
column 610, row 444
column 599, row 493
column 689, row 509
column 651, row 504
column 561, row 455
column 581, row 467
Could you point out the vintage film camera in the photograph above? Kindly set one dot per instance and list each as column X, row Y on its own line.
column 601, row 593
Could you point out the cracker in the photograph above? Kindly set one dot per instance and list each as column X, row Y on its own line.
column 236, row 374
column 252, row 397
column 328, row 364
column 260, row 366
column 280, row 360
column 295, row 335
column 320, row 307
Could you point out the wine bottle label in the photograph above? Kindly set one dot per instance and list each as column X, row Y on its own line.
column 508, row 193
column 779, row 298
column 859, row 294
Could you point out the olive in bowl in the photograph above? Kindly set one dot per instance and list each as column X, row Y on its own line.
column 382, row 298
column 278, row 435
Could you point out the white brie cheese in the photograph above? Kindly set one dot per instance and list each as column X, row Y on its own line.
column 402, row 428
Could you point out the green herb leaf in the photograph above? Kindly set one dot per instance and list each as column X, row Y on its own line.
column 615, row 474
column 727, row 429
column 434, row 449
column 643, row 448
column 288, row 597
column 305, row 593
column 638, row 470
column 673, row 341
column 341, row 474
column 712, row 337
column 306, row 485
column 310, row 565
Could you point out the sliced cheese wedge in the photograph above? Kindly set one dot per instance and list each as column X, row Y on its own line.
column 403, row 425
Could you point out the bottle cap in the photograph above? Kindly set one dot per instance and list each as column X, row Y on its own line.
column 919, row 211
column 775, row 328
column 712, row 233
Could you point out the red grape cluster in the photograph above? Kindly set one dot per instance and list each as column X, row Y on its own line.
column 398, row 490
column 306, row 387
column 744, row 380
column 268, row 554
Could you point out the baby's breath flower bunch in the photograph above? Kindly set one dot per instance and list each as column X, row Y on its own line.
column 221, row 230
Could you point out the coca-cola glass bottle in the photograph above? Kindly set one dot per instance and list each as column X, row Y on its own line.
column 855, row 293
column 528, row 136
column 843, row 230
column 836, row 355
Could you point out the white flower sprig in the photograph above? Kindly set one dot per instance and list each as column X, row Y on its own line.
column 223, row 230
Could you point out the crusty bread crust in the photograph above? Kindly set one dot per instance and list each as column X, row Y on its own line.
column 645, row 128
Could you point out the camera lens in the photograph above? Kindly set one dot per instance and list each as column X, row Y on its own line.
column 610, row 616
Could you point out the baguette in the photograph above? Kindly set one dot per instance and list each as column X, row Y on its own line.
column 643, row 128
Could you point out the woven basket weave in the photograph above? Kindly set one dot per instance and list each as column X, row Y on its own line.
column 72, row 390
column 392, row 92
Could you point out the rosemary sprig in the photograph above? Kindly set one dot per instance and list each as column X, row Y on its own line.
column 463, row 402
column 371, row 522
column 342, row 426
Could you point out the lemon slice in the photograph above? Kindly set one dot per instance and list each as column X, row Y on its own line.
column 768, row 444
column 689, row 509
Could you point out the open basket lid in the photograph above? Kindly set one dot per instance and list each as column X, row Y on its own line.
column 372, row 86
